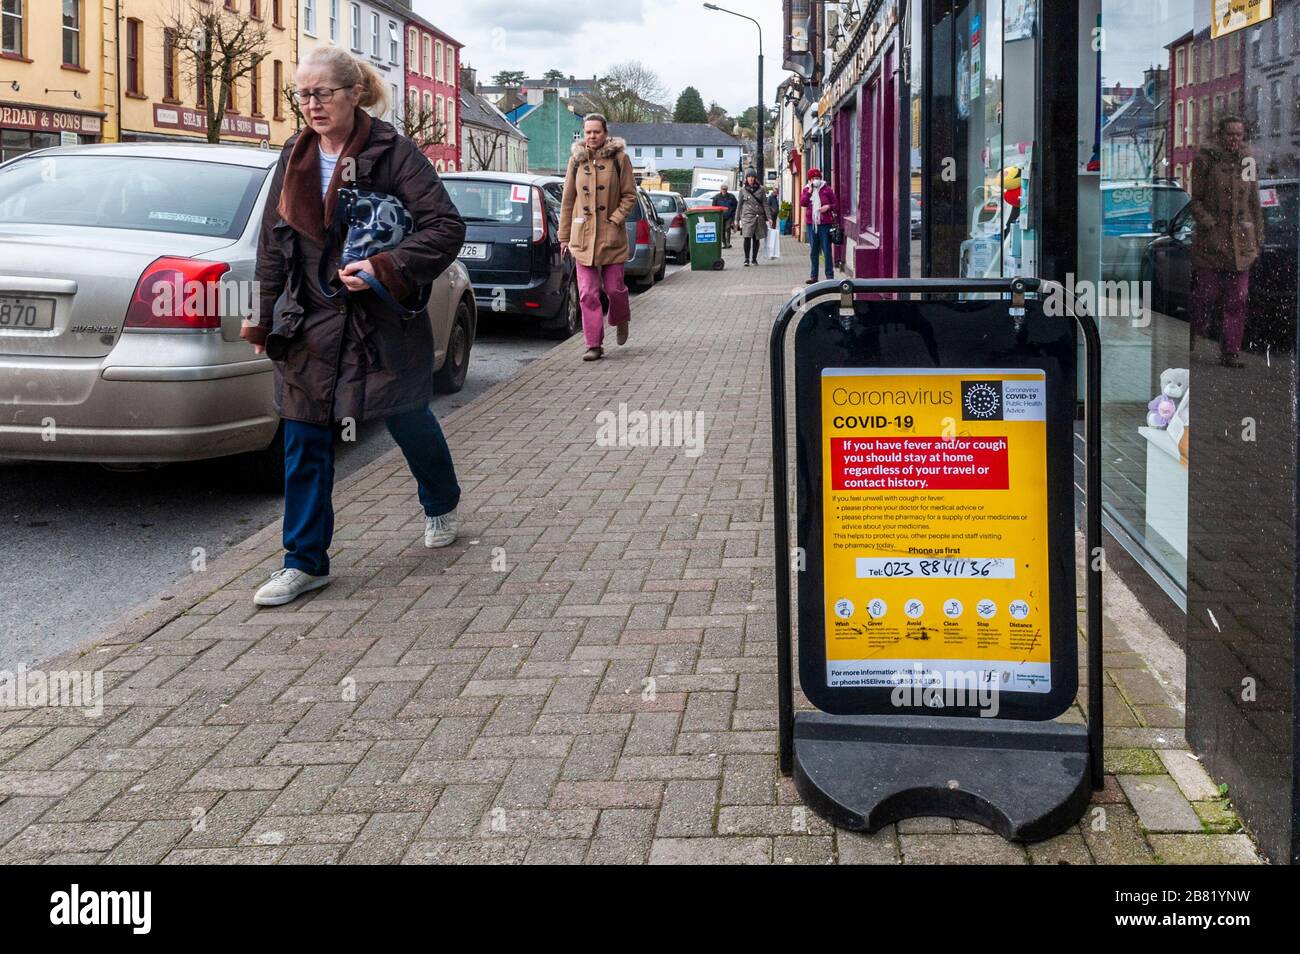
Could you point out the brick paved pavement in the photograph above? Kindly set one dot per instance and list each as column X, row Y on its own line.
column 587, row 676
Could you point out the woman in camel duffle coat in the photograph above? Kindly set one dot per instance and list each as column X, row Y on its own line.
column 599, row 192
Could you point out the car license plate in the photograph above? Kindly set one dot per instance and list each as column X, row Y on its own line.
column 474, row 251
column 26, row 314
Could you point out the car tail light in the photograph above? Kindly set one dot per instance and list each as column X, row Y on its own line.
column 539, row 217
column 679, row 221
column 178, row 293
column 642, row 232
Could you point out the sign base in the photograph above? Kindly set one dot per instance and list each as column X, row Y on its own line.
column 1027, row 781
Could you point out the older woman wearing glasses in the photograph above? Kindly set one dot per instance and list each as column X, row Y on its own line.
column 349, row 358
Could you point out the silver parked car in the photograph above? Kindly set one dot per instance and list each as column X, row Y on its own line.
column 672, row 210
column 125, row 274
column 646, row 237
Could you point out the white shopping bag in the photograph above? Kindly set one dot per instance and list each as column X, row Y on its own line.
column 773, row 243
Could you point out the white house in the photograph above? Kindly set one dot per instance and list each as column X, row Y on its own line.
column 679, row 145
column 373, row 29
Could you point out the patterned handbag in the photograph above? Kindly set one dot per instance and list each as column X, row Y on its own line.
column 368, row 223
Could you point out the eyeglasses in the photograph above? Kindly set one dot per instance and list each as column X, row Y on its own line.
column 321, row 95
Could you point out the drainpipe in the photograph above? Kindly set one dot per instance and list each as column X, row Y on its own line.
column 117, row 65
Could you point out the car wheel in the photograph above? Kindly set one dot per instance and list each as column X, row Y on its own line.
column 450, row 378
column 570, row 317
column 265, row 468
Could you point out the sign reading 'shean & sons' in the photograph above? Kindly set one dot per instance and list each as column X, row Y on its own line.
column 193, row 120
column 49, row 120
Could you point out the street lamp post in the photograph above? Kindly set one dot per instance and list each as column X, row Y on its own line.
column 759, row 161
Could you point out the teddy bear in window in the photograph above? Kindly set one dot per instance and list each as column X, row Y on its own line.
column 1162, row 407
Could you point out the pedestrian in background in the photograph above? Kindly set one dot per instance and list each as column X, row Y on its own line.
column 818, row 201
column 773, row 224
column 599, row 193
column 727, row 201
column 751, row 217
column 1228, row 236
column 348, row 357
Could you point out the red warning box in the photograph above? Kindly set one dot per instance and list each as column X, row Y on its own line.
column 919, row 463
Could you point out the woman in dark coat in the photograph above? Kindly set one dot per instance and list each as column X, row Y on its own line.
column 348, row 359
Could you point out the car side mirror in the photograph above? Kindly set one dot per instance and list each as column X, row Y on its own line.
column 1162, row 226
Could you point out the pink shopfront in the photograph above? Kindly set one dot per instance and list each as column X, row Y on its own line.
column 861, row 100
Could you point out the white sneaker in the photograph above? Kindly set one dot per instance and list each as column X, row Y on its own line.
column 440, row 531
column 287, row 585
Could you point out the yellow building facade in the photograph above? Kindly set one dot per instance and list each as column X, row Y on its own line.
column 53, row 90
column 77, row 71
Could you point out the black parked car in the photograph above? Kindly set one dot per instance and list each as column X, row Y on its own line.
column 1271, row 312
column 512, row 247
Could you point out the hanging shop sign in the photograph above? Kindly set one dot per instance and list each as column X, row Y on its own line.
column 867, row 41
column 1229, row 16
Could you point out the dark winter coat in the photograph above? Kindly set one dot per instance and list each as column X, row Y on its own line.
column 728, row 201
column 350, row 356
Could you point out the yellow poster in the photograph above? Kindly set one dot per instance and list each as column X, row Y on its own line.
column 934, row 515
column 1233, row 15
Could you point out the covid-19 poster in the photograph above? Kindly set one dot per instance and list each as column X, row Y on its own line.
column 935, row 526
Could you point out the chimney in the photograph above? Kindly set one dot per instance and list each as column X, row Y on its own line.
column 469, row 78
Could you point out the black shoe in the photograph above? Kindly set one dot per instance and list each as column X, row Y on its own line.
column 1231, row 361
column 747, row 263
column 811, row 281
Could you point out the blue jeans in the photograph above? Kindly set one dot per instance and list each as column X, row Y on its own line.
column 819, row 241
column 309, row 482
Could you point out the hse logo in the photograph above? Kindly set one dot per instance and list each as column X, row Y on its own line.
column 981, row 400
column 133, row 908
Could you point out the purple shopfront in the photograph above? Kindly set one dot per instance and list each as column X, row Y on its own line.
column 862, row 94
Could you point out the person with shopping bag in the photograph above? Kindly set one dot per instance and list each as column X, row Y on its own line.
column 773, row 224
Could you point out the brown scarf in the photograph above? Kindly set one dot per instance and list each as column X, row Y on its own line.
column 301, row 204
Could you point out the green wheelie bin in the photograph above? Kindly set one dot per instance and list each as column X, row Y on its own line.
column 704, row 232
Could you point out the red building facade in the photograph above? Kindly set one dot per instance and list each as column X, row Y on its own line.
column 1206, row 83
column 433, row 87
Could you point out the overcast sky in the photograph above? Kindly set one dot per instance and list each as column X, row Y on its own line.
column 680, row 40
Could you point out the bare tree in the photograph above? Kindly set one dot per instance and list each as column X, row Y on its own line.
column 630, row 93
column 483, row 148
column 222, row 47
column 422, row 127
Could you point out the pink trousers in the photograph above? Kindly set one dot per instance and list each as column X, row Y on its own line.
column 591, row 278
column 1226, row 292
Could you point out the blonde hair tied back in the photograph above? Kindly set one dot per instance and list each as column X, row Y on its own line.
column 348, row 70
